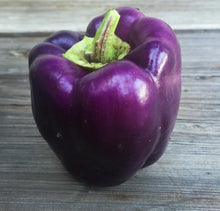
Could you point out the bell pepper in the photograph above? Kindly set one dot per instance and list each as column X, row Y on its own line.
column 106, row 102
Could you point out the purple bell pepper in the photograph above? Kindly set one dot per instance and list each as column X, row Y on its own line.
column 107, row 102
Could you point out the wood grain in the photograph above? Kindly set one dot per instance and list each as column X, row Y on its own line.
column 46, row 16
column 187, row 177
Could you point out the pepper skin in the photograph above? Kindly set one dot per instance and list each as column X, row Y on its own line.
column 106, row 124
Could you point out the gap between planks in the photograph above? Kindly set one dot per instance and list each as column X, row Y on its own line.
column 47, row 33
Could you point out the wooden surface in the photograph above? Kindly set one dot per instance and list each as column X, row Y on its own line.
column 42, row 16
column 187, row 177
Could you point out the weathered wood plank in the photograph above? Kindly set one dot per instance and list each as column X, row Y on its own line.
column 200, row 75
column 187, row 177
column 196, row 60
column 46, row 16
column 40, row 180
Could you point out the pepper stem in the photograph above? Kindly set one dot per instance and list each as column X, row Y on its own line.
column 102, row 48
column 105, row 47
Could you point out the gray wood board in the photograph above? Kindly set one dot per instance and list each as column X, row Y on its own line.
column 187, row 177
column 45, row 16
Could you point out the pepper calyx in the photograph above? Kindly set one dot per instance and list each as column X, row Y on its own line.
column 105, row 47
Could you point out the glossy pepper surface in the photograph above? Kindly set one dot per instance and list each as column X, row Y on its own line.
column 107, row 102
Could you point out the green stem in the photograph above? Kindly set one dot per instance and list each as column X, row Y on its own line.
column 104, row 48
